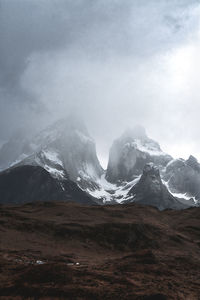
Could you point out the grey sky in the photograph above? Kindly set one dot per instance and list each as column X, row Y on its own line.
column 118, row 63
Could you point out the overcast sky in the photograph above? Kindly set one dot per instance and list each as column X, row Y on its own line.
column 117, row 62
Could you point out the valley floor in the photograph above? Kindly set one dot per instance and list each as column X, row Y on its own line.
column 69, row 251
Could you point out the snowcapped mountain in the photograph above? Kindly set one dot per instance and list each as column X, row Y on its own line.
column 63, row 149
column 151, row 190
column 28, row 183
column 68, row 142
column 129, row 154
column 182, row 178
column 66, row 152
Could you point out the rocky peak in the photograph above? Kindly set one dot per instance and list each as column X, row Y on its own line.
column 151, row 170
column 64, row 147
column 151, row 191
column 129, row 154
column 193, row 163
column 183, row 177
column 150, row 181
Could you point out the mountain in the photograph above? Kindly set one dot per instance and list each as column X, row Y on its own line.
column 66, row 155
column 70, row 141
column 33, row 183
column 150, row 190
column 129, row 154
column 183, row 177
column 63, row 157
column 64, row 146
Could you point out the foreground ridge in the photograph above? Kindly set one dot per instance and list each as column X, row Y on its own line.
column 58, row 250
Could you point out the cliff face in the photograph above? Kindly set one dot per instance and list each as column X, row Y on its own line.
column 151, row 191
column 183, row 176
column 67, row 153
column 63, row 148
column 129, row 154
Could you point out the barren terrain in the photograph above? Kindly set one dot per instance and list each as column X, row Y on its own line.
column 68, row 251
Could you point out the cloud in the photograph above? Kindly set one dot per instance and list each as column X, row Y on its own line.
column 118, row 63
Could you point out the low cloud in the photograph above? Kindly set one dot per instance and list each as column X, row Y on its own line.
column 116, row 63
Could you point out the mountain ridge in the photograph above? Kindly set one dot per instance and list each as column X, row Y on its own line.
column 67, row 152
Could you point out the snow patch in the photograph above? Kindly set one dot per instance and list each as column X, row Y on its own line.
column 55, row 172
column 88, row 172
column 184, row 196
column 109, row 192
column 52, row 156
column 146, row 146
column 20, row 158
column 84, row 139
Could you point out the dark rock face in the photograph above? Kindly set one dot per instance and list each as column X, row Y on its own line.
column 32, row 183
column 130, row 153
column 183, row 176
column 151, row 191
column 76, row 149
column 65, row 146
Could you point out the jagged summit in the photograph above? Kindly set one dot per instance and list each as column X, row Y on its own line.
column 150, row 190
column 193, row 163
column 68, row 153
column 183, row 177
column 129, row 154
column 64, row 147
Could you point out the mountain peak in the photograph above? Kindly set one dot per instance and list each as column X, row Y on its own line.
column 193, row 162
column 151, row 169
column 151, row 191
column 129, row 154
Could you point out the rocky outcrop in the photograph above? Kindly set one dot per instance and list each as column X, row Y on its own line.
column 151, row 191
column 130, row 153
column 183, row 176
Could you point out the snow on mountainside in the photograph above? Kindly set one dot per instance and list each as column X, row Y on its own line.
column 183, row 177
column 110, row 192
column 151, row 190
column 129, row 154
column 63, row 148
column 184, row 196
column 146, row 146
column 49, row 160
column 68, row 153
